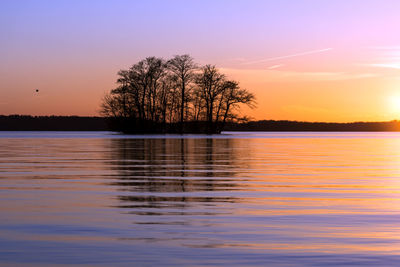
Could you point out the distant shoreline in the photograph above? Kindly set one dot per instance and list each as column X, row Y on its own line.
column 85, row 123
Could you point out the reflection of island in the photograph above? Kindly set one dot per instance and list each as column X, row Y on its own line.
column 174, row 172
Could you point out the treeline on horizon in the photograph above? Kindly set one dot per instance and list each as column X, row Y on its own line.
column 52, row 123
column 78, row 123
column 302, row 126
column 173, row 96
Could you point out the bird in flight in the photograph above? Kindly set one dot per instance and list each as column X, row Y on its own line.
column 37, row 90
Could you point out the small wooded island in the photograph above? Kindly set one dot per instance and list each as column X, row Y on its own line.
column 173, row 96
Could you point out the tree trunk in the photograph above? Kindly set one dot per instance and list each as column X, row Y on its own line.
column 182, row 104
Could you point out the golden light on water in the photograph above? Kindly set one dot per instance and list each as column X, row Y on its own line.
column 334, row 195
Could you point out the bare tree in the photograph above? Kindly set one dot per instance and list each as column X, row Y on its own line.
column 210, row 83
column 110, row 106
column 182, row 67
column 155, row 95
column 231, row 97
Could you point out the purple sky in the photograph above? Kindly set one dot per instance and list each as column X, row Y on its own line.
column 294, row 55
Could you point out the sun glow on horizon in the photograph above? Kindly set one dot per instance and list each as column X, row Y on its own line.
column 394, row 104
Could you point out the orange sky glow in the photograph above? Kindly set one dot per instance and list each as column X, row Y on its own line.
column 325, row 63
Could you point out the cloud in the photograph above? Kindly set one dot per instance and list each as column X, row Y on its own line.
column 384, row 65
column 276, row 66
column 393, row 47
column 288, row 56
column 384, row 57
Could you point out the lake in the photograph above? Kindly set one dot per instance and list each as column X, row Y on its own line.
column 235, row 199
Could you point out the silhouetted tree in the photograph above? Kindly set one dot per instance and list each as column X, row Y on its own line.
column 210, row 83
column 231, row 97
column 182, row 68
column 220, row 97
column 155, row 95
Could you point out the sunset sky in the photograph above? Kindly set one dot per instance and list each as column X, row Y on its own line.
column 304, row 60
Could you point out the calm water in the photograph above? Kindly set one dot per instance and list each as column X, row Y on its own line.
column 243, row 199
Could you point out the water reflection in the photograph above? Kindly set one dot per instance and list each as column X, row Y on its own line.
column 166, row 176
column 302, row 199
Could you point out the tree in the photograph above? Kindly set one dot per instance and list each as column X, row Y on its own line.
column 232, row 96
column 155, row 95
column 209, row 83
column 221, row 97
column 182, row 68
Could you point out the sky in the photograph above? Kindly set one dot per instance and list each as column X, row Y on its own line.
column 304, row 60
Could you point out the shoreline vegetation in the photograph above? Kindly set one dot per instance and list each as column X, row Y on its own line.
column 174, row 96
column 80, row 123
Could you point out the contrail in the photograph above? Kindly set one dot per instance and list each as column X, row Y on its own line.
column 289, row 56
